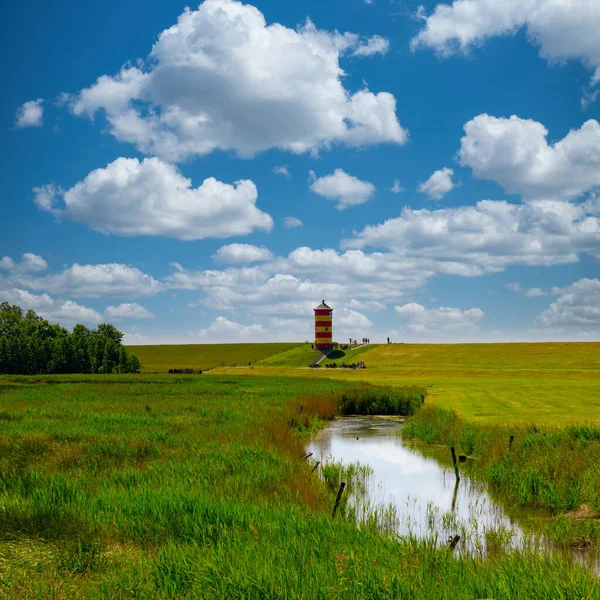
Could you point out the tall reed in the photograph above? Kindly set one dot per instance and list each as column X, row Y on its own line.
column 555, row 468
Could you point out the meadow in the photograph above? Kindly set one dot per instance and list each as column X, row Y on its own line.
column 124, row 486
column 545, row 383
column 159, row 359
column 176, row 486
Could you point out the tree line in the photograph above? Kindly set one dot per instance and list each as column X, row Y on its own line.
column 30, row 345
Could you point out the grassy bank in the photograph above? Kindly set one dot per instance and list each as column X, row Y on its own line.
column 159, row 359
column 196, row 487
column 295, row 358
column 552, row 468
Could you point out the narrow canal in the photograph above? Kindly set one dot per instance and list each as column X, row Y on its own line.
column 413, row 489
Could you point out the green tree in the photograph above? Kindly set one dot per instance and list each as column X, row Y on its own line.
column 110, row 356
column 110, row 331
column 31, row 345
column 79, row 347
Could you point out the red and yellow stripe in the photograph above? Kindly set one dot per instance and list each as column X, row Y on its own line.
column 322, row 318
column 323, row 328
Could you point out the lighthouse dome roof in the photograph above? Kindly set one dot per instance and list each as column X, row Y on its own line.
column 323, row 306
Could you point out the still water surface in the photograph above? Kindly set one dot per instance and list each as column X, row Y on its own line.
column 419, row 485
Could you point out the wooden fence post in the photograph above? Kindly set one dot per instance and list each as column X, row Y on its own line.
column 338, row 498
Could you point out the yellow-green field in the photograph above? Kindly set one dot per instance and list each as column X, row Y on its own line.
column 159, row 359
column 550, row 383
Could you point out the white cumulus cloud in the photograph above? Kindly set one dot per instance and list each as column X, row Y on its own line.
column 515, row 153
column 488, row 237
column 30, row 114
column 225, row 330
column 562, row 29
column 439, row 184
column 66, row 313
column 345, row 189
column 242, row 254
column 30, row 263
column 288, row 287
column 129, row 310
column 152, row 197
column 577, row 307
column 529, row 293
column 375, row 45
column 221, row 78
column 418, row 319
column 113, row 280
column 535, row 292
column 352, row 321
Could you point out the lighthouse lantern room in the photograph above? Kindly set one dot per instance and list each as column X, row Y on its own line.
column 323, row 326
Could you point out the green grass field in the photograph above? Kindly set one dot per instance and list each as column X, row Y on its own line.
column 159, row 359
column 157, row 486
column 495, row 383
column 299, row 357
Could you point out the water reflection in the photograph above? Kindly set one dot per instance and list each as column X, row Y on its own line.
column 416, row 491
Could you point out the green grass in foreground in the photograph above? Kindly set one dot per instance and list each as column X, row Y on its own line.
column 193, row 487
column 548, row 383
column 159, row 359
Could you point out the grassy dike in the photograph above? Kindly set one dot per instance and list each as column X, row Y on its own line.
column 161, row 358
column 555, row 469
column 196, row 487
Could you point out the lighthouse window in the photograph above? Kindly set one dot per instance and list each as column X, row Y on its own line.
column 326, row 328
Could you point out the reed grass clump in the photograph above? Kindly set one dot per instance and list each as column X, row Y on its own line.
column 376, row 400
column 547, row 467
column 312, row 412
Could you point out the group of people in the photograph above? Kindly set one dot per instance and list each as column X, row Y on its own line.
column 365, row 340
column 359, row 365
column 348, row 346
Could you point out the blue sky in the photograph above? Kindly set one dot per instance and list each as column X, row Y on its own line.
column 211, row 174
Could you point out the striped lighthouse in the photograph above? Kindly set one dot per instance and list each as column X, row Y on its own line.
column 323, row 326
